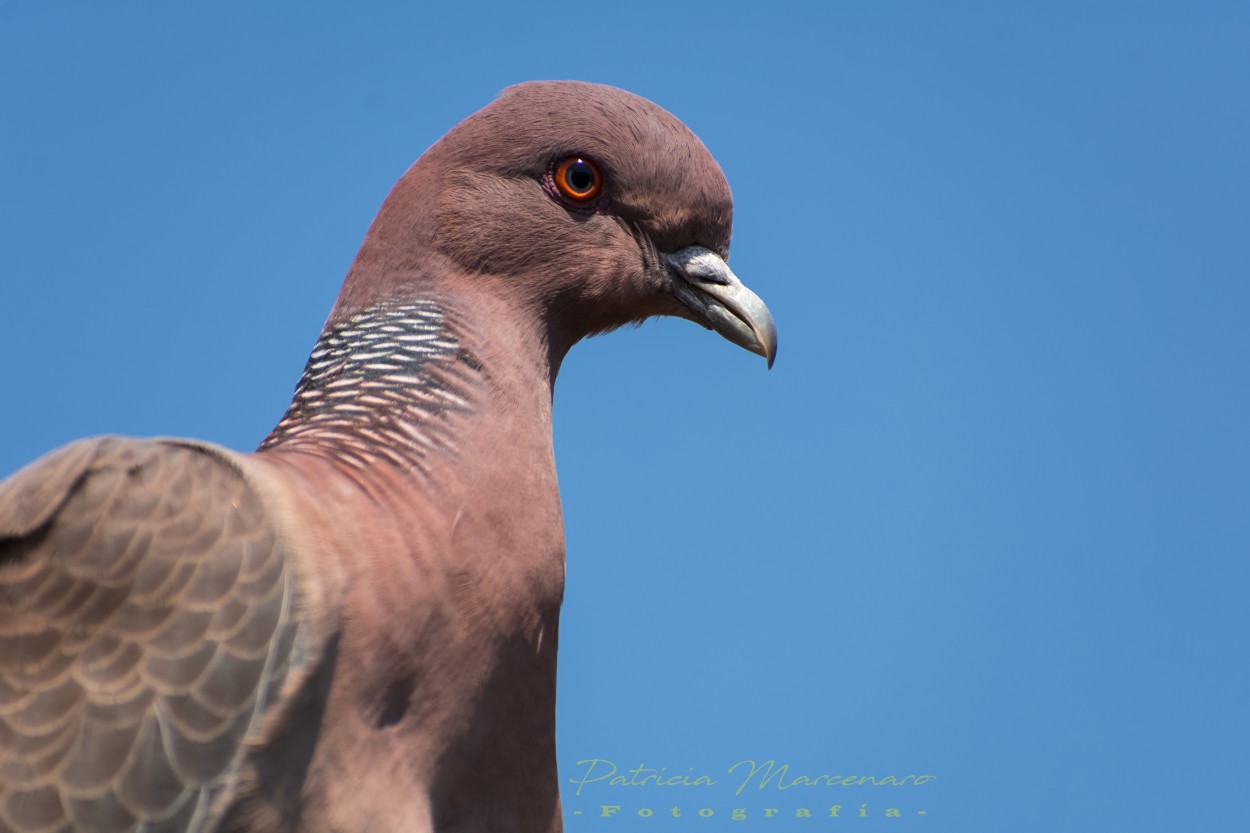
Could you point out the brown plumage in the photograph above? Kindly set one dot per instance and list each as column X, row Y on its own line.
column 355, row 627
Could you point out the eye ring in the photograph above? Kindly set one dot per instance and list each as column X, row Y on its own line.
column 578, row 179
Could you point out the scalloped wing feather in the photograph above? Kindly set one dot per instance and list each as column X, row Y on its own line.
column 146, row 626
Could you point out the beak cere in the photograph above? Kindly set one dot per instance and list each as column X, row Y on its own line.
column 709, row 289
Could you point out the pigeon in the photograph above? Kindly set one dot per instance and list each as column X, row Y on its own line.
column 354, row 628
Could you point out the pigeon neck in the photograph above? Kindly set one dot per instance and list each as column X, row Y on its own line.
column 411, row 384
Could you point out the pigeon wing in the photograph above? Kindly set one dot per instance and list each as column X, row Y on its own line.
column 146, row 625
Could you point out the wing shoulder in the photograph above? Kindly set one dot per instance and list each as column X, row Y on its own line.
column 145, row 621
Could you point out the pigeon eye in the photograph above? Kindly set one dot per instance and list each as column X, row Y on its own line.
column 578, row 179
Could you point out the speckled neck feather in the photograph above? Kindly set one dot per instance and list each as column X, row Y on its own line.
column 381, row 384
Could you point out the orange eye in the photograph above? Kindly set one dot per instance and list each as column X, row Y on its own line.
column 578, row 179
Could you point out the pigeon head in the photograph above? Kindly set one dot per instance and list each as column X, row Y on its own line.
column 588, row 205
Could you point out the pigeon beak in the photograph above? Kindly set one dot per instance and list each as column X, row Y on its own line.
column 719, row 301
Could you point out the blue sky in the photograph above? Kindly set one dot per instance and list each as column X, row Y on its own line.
column 986, row 519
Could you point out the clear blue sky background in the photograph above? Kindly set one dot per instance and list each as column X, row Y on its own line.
column 987, row 519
